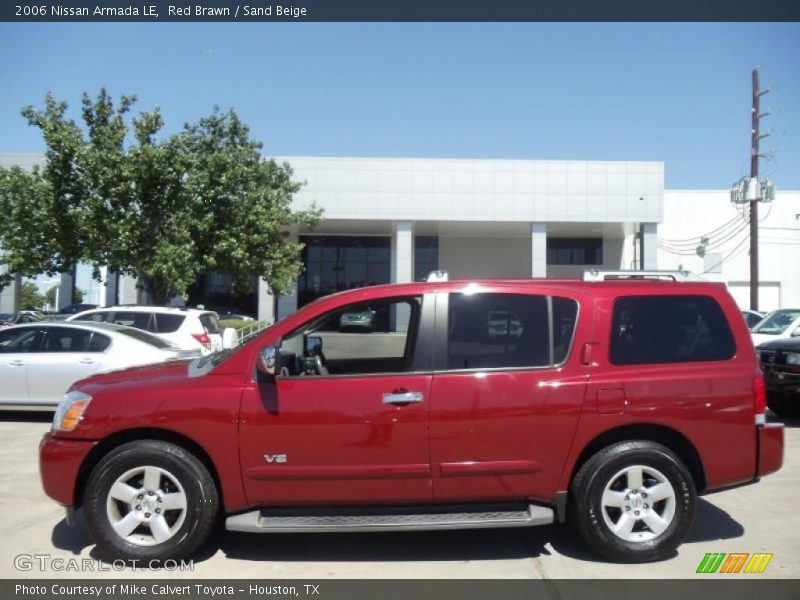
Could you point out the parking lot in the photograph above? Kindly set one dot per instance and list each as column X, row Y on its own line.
column 759, row 518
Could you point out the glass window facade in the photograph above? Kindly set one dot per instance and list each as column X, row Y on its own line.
column 338, row 263
column 574, row 251
column 215, row 291
column 426, row 256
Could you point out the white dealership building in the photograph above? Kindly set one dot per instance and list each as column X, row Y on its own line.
column 396, row 219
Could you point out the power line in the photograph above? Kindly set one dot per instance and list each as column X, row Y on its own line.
column 697, row 239
column 706, row 247
column 728, row 257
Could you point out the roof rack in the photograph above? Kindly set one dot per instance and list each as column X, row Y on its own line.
column 596, row 275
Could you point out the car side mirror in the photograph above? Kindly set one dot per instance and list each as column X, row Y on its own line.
column 796, row 332
column 313, row 345
column 267, row 360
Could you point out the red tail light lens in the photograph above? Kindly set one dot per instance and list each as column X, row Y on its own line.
column 203, row 339
column 760, row 394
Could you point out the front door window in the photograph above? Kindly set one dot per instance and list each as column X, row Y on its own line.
column 359, row 339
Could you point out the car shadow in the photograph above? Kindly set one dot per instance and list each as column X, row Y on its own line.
column 73, row 539
column 713, row 523
column 465, row 545
column 462, row 545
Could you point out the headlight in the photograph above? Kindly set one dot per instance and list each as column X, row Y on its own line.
column 793, row 358
column 70, row 412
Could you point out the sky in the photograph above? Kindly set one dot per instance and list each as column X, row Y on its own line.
column 677, row 93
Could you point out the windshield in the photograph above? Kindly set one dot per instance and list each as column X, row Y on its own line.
column 777, row 322
column 203, row 365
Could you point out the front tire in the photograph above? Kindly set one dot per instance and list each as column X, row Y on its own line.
column 634, row 501
column 148, row 501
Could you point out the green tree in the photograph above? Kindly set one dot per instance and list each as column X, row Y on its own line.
column 30, row 298
column 50, row 296
column 116, row 192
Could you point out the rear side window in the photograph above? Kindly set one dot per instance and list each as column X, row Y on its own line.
column 167, row 323
column 67, row 339
column 139, row 320
column 669, row 329
column 210, row 323
column 98, row 317
column 99, row 342
column 497, row 331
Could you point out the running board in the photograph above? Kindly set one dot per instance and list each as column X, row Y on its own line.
column 389, row 519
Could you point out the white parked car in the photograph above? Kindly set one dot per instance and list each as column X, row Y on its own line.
column 40, row 361
column 187, row 328
column 781, row 323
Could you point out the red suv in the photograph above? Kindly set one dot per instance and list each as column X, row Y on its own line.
column 612, row 403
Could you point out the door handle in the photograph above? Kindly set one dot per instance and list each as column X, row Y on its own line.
column 17, row 363
column 86, row 361
column 402, row 397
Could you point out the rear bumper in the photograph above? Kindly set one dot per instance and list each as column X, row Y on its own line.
column 770, row 448
column 59, row 463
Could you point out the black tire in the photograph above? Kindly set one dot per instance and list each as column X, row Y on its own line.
column 588, row 487
column 201, row 501
column 781, row 405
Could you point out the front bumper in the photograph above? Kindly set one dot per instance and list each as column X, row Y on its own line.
column 60, row 461
column 770, row 448
column 782, row 381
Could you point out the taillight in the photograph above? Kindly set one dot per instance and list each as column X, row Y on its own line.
column 203, row 339
column 760, row 397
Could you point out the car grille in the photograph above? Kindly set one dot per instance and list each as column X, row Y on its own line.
column 769, row 357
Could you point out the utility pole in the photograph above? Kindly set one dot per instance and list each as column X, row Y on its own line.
column 756, row 138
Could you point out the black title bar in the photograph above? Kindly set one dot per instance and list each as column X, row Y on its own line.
column 746, row 587
column 401, row 10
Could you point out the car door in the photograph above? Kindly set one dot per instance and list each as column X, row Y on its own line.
column 506, row 396
column 345, row 420
column 16, row 344
column 64, row 355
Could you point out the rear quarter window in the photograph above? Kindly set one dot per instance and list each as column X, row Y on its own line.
column 167, row 323
column 210, row 323
column 669, row 329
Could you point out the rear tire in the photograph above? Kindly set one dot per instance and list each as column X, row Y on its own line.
column 148, row 501
column 634, row 501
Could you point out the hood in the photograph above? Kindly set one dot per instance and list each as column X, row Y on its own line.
column 763, row 338
column 791, row 344
column 171, row 371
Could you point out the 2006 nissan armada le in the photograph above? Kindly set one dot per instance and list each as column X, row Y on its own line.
column 612, row 401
